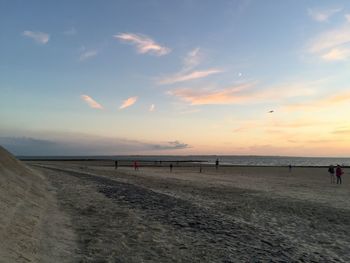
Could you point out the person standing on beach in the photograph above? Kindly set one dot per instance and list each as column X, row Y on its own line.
column 116, row 164
column 331, row 173
column 136, row 166
column 217, row 164
column 339, row 172
column 171, row 167
column 290, row 168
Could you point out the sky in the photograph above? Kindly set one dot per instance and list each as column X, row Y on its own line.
column 229, row 77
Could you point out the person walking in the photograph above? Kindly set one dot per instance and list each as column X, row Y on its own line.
column 171, row 167
column 116, row 164
column 331, row 173
column 339, row 172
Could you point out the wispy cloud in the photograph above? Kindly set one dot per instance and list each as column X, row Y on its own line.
column 128, row 102
column 323, row 15
column 91, row 102
column 203, row 96
column 144, row 44
column 181, row 77
column 330, row 39
column 187, row 73
column 87, row 54
column 70, row 32
column 332, row 45
column 337, row 54
column 152, row 107
column 321, row 103
column 244, row 93
column 192, row 59
column 39, row 37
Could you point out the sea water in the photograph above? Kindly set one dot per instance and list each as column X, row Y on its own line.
column 210, row 159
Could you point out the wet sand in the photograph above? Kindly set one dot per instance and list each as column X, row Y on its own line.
column 236, row 214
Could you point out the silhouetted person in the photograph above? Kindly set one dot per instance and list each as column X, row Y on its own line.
column 171, row 167
column 136, row 165
column 200, row 168
column 116, row 164
column 290, row 168
column 331, row 173
column 339, row 172
column 217, row 164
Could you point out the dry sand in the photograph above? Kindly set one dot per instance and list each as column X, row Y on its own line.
column 231, row 215
column 32, row 229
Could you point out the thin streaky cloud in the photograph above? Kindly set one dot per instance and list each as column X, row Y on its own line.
column 88, row 54
column 331, row 39
column 322, row 103
column 188, row 76
column 39, row 37
column 91, row 102
column 128, row 102
column 152, row 107
column 337, row 54
column 203, row 96
column 192, row 59
column 144, row 44
column 244, row 93
column 323, row 15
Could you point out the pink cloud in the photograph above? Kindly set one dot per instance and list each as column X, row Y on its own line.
column 128, row 102
column 208, row 96
column 91, row 102
column 144, row 44
column 321, row 103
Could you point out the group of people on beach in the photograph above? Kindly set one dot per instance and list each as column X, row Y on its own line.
column 335, row 172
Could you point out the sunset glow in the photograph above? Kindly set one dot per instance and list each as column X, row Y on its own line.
column 216, row 77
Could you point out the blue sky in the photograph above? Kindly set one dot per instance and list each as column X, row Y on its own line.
column 175, row 77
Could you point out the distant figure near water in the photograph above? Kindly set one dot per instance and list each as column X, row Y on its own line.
column 116, row 164
column 331, row 173
column 339, row 172
column 171, row 167
column 217, row 164
column 290, row 168
column 136, row 166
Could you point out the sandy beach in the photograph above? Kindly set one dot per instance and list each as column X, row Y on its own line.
column 235, row 214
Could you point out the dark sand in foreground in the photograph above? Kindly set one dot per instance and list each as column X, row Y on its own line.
column 232, row 215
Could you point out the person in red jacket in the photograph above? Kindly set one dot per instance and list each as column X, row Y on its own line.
column 339, row 172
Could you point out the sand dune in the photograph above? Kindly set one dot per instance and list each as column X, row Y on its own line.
column 30, row 222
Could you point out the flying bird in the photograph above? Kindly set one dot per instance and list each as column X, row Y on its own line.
column 271, row 111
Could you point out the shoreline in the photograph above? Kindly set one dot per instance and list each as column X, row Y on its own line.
column 176, row 163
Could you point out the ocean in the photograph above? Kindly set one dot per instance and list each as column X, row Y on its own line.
column 210, row 159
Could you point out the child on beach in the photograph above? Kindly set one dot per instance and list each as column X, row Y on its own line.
column 331, row 173
column 339, row 172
